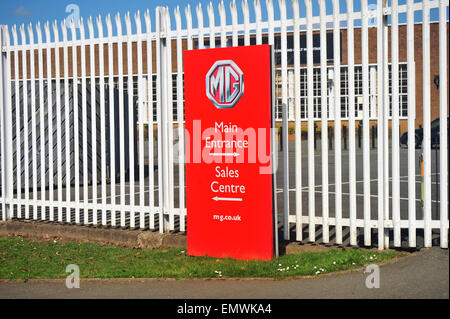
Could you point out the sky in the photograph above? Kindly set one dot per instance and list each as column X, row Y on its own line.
column 31, row 11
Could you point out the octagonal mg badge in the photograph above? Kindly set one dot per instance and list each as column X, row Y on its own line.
column 224, row 84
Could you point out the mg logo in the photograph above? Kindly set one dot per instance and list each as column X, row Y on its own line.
column 224, row 84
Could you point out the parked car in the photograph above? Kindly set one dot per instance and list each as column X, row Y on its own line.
column 435, row 132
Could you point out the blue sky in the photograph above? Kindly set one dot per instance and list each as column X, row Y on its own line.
column 26, row 11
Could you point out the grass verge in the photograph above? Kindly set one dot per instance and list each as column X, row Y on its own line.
column 22, row 259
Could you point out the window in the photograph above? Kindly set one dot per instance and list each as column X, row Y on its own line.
column 402, row 90
column 358, row 86
column 147, row 111
column 176, row 116
column 302, row 48
column 344, row 102
column 148, row 107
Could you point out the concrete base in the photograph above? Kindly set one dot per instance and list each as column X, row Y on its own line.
column 147, row 239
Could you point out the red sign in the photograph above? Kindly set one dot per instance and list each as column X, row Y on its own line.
column 228, row 152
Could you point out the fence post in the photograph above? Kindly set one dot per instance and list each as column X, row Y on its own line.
column 383, row 105
column 163, row 169
column 386, row 207
column 6, row 124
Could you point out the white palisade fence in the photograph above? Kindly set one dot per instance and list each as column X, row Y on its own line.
column 91, row 120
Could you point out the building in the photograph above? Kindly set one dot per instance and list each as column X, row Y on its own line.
column 150, row 97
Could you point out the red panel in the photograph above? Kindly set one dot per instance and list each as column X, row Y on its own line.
column 223, row 187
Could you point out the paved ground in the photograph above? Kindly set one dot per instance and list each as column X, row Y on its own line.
column 422, row 275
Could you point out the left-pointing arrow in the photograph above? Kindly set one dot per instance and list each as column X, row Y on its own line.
column 224, row 154
column 234, row 199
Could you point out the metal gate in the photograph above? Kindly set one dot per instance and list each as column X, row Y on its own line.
column 91, row 127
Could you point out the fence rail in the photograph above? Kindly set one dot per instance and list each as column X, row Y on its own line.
column 91, row 122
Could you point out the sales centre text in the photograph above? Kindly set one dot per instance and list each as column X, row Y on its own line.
column 225, row 171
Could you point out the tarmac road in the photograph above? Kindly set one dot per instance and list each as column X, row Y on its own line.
column 424, row 274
